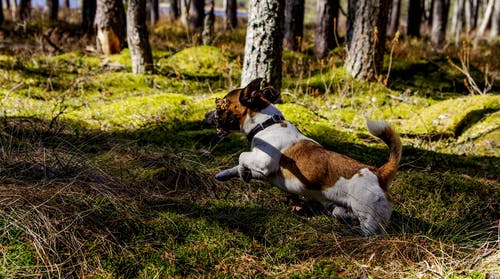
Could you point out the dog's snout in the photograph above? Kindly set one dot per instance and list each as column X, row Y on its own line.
column 210, row 117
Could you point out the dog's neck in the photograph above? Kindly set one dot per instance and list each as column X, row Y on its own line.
column 254, row 119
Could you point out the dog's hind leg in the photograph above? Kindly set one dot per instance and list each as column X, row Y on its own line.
column 228, row 174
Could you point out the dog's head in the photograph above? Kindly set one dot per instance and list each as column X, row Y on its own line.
column 232, row 110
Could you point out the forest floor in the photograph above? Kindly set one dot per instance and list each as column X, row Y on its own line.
column 106, row 174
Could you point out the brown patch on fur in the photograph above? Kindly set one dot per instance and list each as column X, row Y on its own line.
column 316, row 167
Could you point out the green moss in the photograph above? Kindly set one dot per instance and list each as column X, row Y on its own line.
column 484, row 136
column 202, row 62
column 451, row 117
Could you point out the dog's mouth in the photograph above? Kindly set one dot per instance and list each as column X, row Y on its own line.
column 212, row 119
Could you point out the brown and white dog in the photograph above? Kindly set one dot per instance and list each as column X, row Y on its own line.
column 297, row 164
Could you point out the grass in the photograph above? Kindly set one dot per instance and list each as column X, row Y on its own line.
column 104, row 174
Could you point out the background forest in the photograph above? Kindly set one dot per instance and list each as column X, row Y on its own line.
column 106, row 164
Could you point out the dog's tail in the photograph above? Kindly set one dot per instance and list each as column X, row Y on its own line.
column 382, row 130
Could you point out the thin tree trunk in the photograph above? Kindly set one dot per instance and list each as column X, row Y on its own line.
column 230, row 12
column 24, row 9
column 88, row 15
column 193, row 13
column 264, row 42
column 325, row 33
column 174, row 12
column 439, row 22
column 486, row 18
column 366, row 30
column 414, row 18
column 153, row 9
column 1, row 13
column 495, row 20
column 457, row 20
column 293, row 25
column 111, row 26
column 52, row 8
column 138, row 38
column 468, row 18
column 394, row 21
column 66, row 4
column 208, row 26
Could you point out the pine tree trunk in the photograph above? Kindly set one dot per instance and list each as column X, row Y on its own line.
column 66, row 4
column 264, row 42
column 88, row 15
column 24, row 9
column 457, row 20
column 366, row 29
column 327, row 14
column 414, row 18
column 293, row 24
column 1, row 12
column 495, row 20
column 52, row 8
column 486, row 18
column 153, row 9
column 208, row 26
column 111, row 26
column 174, row 12
column 394, row 21
column 138, row 38
column 193, row 14
column 230, row 10
column 439, row 21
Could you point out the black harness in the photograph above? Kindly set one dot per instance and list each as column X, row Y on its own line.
column 261, row 126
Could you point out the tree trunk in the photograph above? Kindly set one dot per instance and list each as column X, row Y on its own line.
column 208, row 26
column 153, row 9
column 231, row 18
column 457, row 20
column 174, row 12
column 66, row 4
column 24, row 9
column 88, row 15
column 366, row 29
column 325, row 33
column 495, row 20
column 138, row 38
column 51, row 9
column 193, row 13
column 439, row 21
column 264, row 42
column 486, row 18
column 1, row 13
column 414, row 18
column 395, row 14
column 293, row 25
column 111, row 26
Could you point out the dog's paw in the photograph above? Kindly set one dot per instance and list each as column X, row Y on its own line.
column 227, row 174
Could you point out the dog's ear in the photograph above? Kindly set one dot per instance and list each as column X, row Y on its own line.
column 270, row 94
column 251, row 92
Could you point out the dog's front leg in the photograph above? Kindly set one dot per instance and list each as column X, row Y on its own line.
column 228, row 174
column 256, row 165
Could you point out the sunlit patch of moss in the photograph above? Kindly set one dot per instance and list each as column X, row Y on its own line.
column 136, row 112
column 484, row 136
column 15, row 105
column 202, row 62
column 78, row 59
column 451, row 117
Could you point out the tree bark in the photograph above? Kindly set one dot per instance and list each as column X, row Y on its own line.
column 325, row 33
column 138, row 38
column 174, row 12
column 495, row 20
column 24, row 9
column 1, row 13
column 111, row 26
column 414, row 18
column 66, row 4
column 230, row 11
column 264, row 42
column 208, row 26
column 486, row 18
column 51, row 9
column 366, row 29
column 293, row 24
column 153, row 8
column 457, row 20
column 394, row 21
column 88, row 15
column 193, row 14
column 439, row 21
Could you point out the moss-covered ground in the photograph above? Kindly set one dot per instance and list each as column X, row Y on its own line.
column 106, row 174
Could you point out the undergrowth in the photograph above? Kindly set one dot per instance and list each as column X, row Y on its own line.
column 104, row 174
